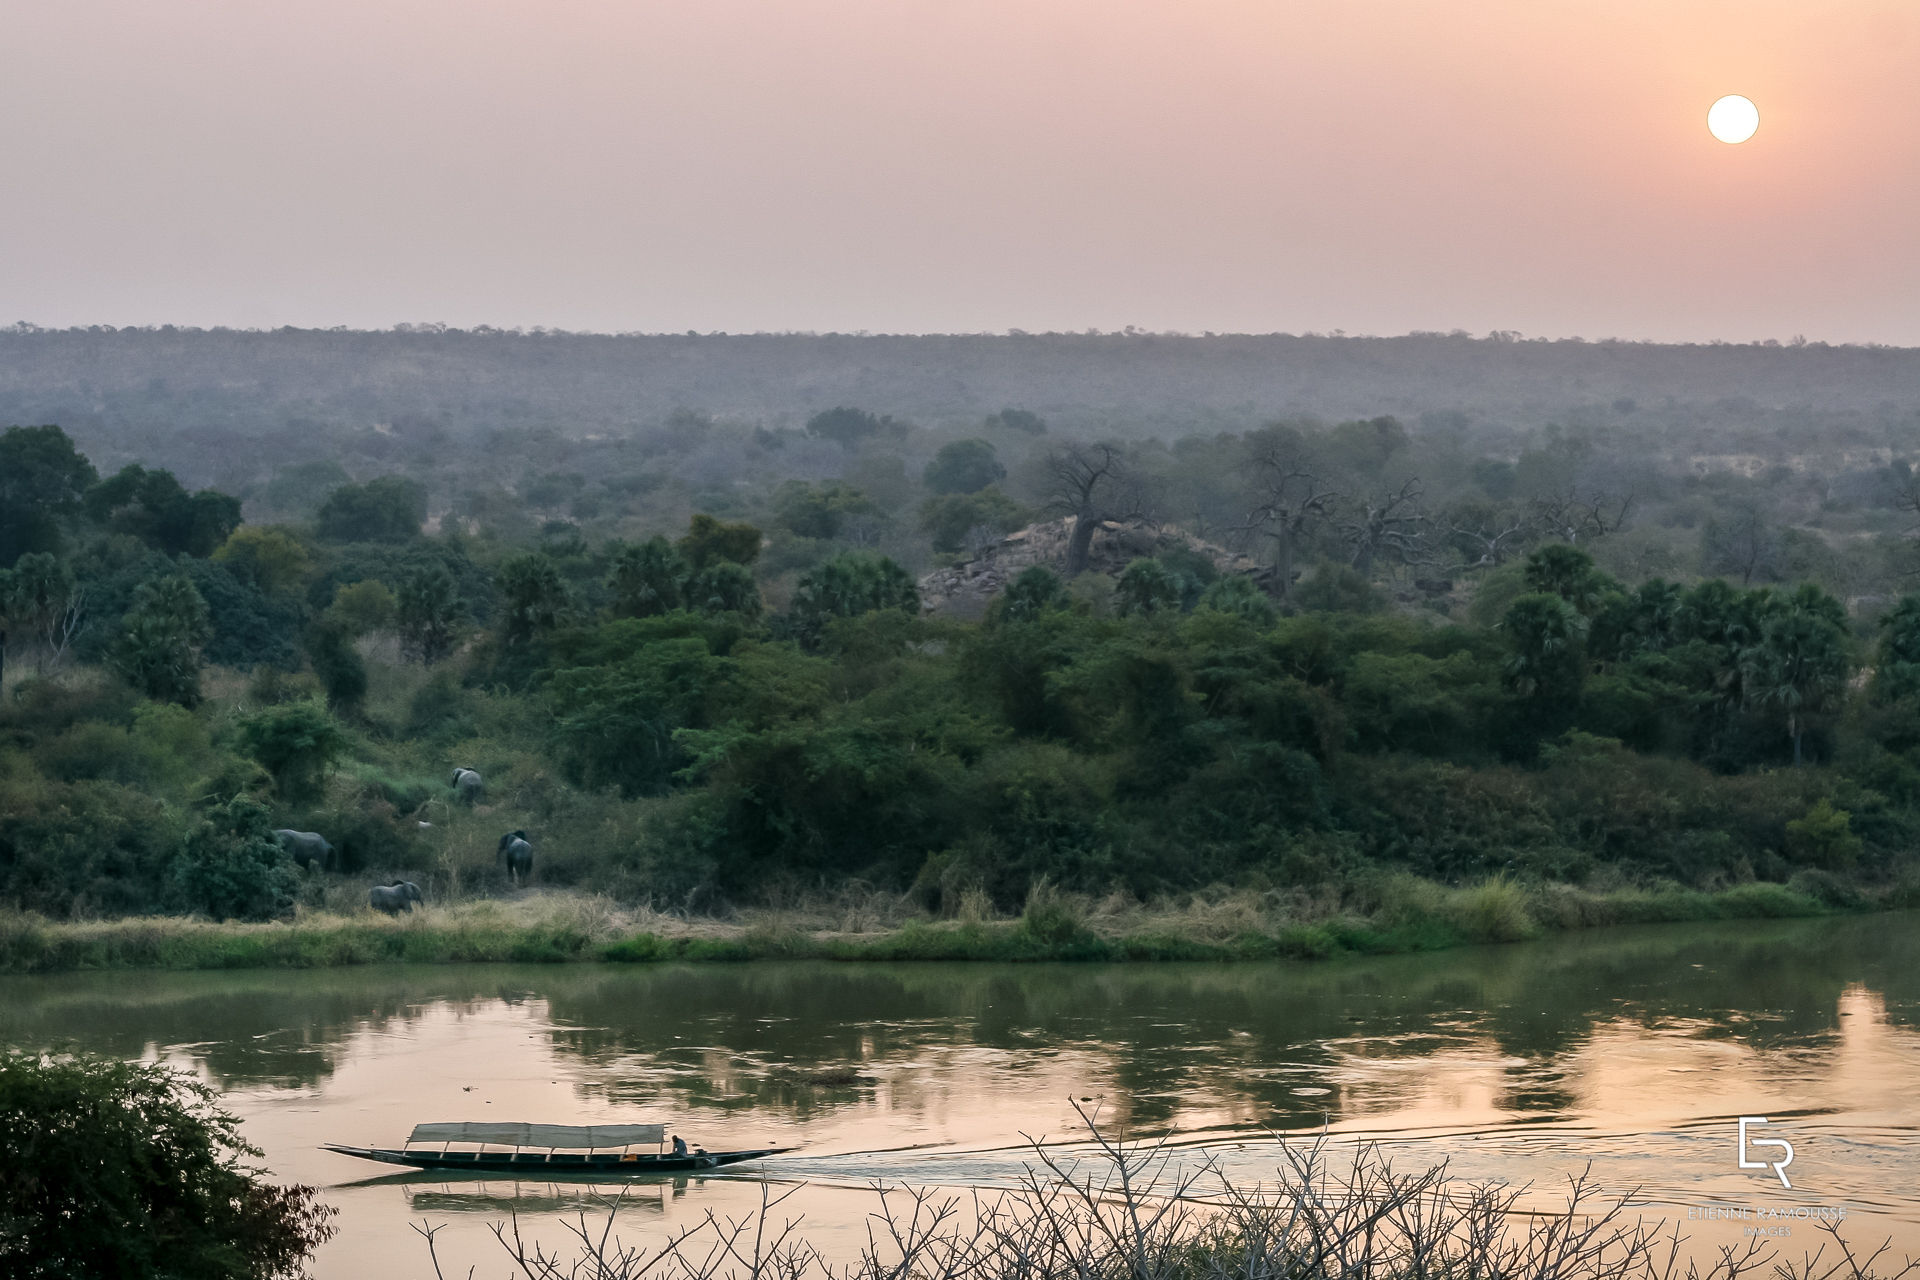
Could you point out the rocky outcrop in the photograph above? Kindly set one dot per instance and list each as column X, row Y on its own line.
column 965, row 590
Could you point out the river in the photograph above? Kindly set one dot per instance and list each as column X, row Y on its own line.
column 1632, row 1052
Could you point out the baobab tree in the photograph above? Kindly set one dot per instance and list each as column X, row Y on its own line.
column 1291, row 500
column 1389, row 523
column 1091, row 483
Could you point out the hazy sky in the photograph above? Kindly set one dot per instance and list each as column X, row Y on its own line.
column 1376, row 166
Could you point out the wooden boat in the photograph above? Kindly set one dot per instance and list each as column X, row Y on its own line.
column 570, row 1150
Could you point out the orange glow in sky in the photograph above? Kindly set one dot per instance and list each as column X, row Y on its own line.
column 916, row 165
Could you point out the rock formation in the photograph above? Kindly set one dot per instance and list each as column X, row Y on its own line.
column 965, row 590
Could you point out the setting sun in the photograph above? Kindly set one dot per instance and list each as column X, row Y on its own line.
column 1733, row 118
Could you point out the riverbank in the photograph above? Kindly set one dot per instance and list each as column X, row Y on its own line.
column 1400, row 914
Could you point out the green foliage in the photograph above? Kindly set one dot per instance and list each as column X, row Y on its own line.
column 1824, row 838
column 850, row 584
column 1239, row 596
column 230, row 867
column 964, row 521
column 297, row 743
column 338, row 665
column 819, row 511
column 362, row 608
column 709, row 542
column 1147, row 588
column 614, row 724
column 1034, row 591
column 158, row 648
column 1546, row 661
column 384, row 509
column 963, row 466
column 42, row 478
column 134, row 1169
column 299, row 488
column 153, row 507
column 533, row 598
column 267, row 556
column 1561, row 569
column 724, row 587
column 429, row 613
column 1898, row 675
column 648, row 579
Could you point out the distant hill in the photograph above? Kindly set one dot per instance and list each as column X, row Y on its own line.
column 148, row 383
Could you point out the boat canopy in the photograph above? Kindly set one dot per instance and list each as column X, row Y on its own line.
column 512, row 1134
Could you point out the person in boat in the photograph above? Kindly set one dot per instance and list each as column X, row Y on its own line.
column 679, row 1145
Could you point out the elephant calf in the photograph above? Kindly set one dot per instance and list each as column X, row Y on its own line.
column 519, row 856
column 307, row 848
column 395, row 898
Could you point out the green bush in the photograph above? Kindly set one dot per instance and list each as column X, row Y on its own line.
column 133, row 1169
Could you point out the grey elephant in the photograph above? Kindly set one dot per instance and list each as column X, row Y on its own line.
column 309, row 848
column 518, row 854
column 468, row 785
column 395, row 898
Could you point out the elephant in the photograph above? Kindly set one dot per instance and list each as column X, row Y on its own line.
column 395, row 898
column 519, row 855
column 307, row 847
column 468, row 785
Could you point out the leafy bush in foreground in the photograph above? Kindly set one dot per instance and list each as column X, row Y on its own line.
column 111, row 1168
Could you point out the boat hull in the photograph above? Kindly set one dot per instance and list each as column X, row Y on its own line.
column 552, row 1164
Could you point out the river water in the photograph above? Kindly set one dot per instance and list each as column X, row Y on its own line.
column 1629, row 1052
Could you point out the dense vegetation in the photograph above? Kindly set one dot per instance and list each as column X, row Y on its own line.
column 1559, row 667
column 111, row 1168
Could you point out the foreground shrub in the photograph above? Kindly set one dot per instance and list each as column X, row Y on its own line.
column 111, row 1168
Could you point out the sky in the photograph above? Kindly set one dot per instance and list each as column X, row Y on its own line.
column 1366, row 166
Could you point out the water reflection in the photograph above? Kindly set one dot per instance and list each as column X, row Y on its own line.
column 1630, row 1049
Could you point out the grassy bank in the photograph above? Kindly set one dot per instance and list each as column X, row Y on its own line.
column 1397, row 914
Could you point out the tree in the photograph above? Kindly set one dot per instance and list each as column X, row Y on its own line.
column 969, row 522
column 41, row 606
column 1147, row 588
column 297, row 743
column 1898, row 674
column 1035, row 591
column 231, row 867
column 429, row 612
column 850, row 584
column 1800, row 662
column 847, row 427
column 340, row 669
column 117, row 1168
column 1746, row 544
column 1291, row 499
column 710, row 541
column 364, row 607
column 1485, row 533
column 724, row 587
column 1564, row 570
column 533, row 597
column 384, row 509
column 268, row 556
column 963, row 466
column 1389, row 523
column 42, row 478
column 1241, row 597
column 1091, row 484
column 161, row 636
column 819, row 511
column 648, row 579
column 153, row 507
column 1545, row 662
column 1022, row 420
